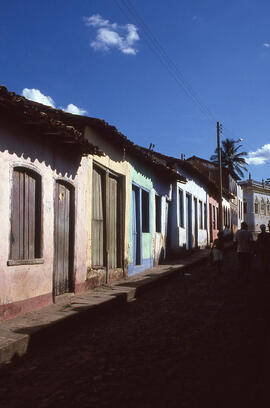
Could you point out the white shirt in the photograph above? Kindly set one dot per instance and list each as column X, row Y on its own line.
column 244, row 240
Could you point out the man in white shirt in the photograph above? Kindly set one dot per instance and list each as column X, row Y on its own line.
column 244, row 240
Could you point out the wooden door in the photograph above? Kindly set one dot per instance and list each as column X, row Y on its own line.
column 135, row 226
column 106, row 235
column 98, row 216
column 113, row 223
column 63, row 257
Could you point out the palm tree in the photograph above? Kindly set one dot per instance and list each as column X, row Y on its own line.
column 230, row 157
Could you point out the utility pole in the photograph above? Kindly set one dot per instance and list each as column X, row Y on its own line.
column 220, row 212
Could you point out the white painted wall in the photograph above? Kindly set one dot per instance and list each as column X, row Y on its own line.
column 240, row 199
column 178, row 233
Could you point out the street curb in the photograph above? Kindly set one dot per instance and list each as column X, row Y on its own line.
column 19, row 335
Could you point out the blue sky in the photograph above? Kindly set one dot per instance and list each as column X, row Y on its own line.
column 93, row 57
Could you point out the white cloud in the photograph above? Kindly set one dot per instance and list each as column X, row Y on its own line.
column 109, row 35
column 74, row 109
column 260, row 156
column 105, row 39
column 37, row 96
column 267, row 45
column 96, row 21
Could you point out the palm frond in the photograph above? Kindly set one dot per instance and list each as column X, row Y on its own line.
column 231, row 157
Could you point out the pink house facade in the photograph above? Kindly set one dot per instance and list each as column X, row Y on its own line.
column 43, row 232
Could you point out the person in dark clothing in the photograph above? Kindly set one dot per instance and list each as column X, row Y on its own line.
column 263, row 249
column 244, row 247
column 217, row 251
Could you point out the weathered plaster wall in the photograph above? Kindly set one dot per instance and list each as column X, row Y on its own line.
column 23, row 282
column 80, row 253
column 240, row 197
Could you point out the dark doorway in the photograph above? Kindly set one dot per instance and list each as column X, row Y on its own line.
column 188, row 222
column 210, row 223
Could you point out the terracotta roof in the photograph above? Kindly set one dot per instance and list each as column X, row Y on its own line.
column 110, row 132
column 118, row 138
column 70, row 129
column 33, row 114
column 192, row 170
column 231, row 172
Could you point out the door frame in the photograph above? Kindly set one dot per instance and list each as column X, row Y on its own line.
column 71, row 187
column 120, row 213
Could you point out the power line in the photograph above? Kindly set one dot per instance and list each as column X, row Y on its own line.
column 169, row 64
column 163, row 57
column 165, row 54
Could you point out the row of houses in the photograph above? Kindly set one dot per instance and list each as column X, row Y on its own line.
column 82, row 205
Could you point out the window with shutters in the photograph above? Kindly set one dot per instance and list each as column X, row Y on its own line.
column 262, row 206
column 25, row 237
column 256, row 206
column 268, row 207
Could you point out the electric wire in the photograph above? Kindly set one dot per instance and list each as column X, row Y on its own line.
column 165, row 55
column 168, row 62
column 170, row 66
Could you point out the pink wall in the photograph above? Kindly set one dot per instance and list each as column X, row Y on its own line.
column 25, row 287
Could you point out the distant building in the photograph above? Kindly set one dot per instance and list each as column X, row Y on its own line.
column 256, row 206
column 193, row 209
column 232, row 191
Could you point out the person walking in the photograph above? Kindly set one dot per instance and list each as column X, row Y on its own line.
column 217, row 251
column 263, row 249
column 244, row 247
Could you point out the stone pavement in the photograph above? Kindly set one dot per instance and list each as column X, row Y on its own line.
column 18, row 335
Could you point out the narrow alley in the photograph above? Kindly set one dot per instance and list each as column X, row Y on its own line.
column 198, row 340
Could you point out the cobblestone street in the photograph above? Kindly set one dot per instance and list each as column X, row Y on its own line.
column 198, row 340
